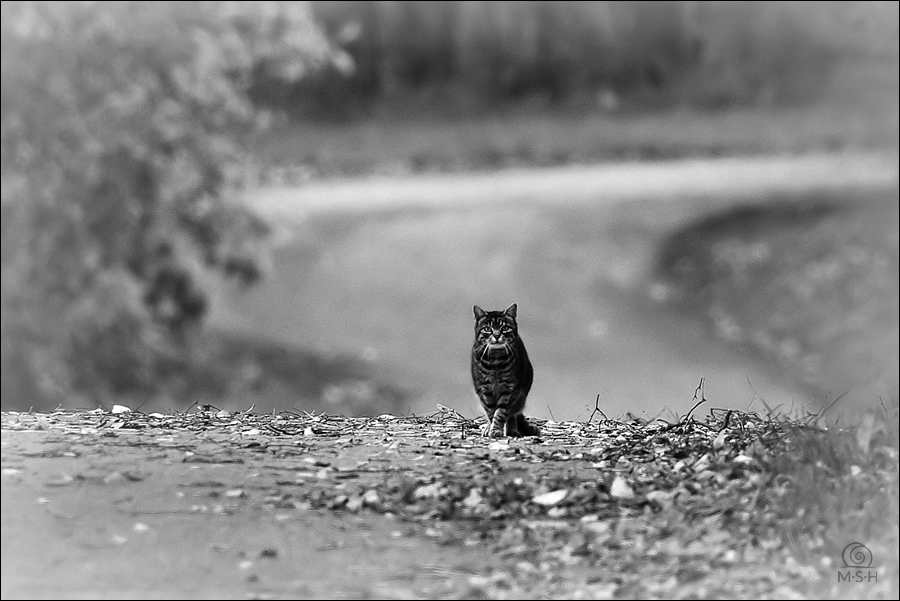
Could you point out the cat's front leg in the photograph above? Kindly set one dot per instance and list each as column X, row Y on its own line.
column 496, row 427
column 489, row 414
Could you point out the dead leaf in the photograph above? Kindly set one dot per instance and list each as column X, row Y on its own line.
column 702, row 463
column 549, row 499
column 473, row 499
column 427, row 491
column 61, row 480
column 114, row 478
column 660, row 496
column 620, row 489
column 719, row 441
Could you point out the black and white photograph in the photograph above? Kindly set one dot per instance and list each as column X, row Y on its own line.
column 382, row 299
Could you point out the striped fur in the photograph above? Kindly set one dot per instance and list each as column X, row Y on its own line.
column 502, row 373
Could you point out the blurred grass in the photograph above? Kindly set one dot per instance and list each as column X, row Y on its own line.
column 810, row 284
column 831, row 487
column 238, row 372
column 235, row 372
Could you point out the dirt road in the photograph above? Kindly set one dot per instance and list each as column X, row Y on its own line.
column 164, row 513
column 714, row 183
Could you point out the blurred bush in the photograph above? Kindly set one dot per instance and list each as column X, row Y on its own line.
column 122, row 132
column 465, row 55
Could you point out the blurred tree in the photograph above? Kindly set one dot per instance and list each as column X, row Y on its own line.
column 122, row 132
column 481, row 53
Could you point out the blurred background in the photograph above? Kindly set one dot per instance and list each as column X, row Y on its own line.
column 294, row 206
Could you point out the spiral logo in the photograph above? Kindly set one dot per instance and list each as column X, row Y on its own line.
column 857, row 555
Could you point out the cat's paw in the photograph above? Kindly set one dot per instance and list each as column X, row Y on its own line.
column 490, row 432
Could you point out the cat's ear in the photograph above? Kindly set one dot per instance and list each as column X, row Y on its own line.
column 511, row 310
column 479, row 312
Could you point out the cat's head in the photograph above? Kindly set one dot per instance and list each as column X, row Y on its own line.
column 496, row 328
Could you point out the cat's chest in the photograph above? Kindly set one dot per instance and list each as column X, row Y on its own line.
column 497, row 369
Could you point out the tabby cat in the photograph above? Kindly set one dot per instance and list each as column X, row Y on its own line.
column 502, row 373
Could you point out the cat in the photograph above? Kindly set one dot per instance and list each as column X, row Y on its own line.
column 502, row 373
